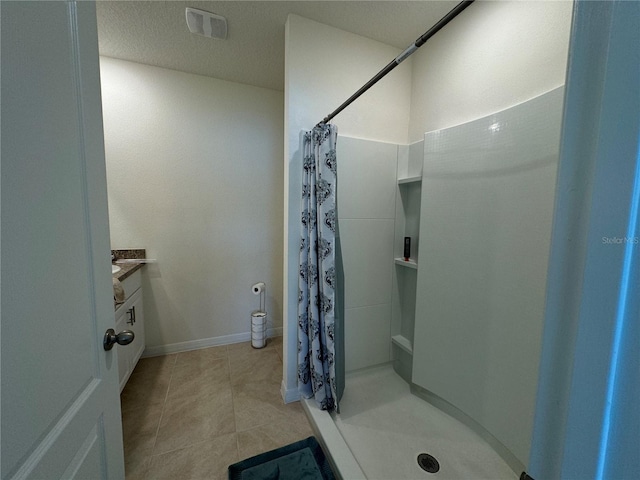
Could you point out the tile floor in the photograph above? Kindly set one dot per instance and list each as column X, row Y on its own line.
column 190, row 415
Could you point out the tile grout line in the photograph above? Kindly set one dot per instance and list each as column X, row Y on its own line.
column 182, row 447
column 148, row 457
column 164, row 404
column 233, row 405
column 171, row 377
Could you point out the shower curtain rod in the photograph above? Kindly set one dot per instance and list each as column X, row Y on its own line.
column 400, row 58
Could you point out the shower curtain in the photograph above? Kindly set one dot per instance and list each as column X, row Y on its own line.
column 319, row 301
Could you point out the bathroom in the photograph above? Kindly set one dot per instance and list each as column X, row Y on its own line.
column 195, row 170
column 210, row 198
column 200, row 177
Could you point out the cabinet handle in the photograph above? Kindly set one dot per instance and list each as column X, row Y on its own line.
column 131, row 313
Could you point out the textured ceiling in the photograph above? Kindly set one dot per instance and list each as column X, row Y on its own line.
column 155, row 32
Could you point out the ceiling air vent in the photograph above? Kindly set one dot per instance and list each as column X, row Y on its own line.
column 207, row 24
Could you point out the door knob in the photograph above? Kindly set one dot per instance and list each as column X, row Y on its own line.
column 125, row 337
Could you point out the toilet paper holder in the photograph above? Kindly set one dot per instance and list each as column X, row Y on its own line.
column 260, row 289
column 259, row 318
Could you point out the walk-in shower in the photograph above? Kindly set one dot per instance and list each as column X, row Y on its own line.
column 448, row 335
column 461, row 322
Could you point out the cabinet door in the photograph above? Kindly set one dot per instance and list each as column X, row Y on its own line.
column 137, row 346
column 124, row 354
column 130, row 316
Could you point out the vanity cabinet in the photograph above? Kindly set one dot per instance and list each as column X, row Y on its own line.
column 130, row 316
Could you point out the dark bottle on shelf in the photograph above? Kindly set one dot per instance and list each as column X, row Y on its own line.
column 407, row 248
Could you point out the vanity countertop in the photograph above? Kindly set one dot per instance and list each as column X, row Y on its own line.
column 126, row 269
column 125, row 259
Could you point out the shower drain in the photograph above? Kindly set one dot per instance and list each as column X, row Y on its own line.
column 428, row 463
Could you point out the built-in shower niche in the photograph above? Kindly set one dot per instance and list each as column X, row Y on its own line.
column 408, row 199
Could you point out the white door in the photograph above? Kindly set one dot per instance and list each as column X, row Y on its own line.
column 60, row 405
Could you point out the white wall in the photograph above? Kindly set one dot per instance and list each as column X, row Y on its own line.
column 194, row 170
column 492, row 56
column 323, row 67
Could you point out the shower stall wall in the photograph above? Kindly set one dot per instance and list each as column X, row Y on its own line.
column 485, row 226
column 366, row 216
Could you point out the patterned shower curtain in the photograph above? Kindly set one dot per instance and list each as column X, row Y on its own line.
column 318, row 273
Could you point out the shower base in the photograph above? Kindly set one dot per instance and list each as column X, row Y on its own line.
column 382, row 428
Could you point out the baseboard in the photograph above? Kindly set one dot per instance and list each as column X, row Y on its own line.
column 205, row 342
column 289, row 394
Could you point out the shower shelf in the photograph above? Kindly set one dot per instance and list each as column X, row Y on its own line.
column 405, row 273
column 403, row 343
column 410, row 179
column 409, row 264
